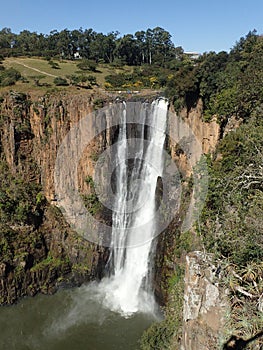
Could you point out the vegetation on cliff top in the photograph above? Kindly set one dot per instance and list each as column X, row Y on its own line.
column 228, row 83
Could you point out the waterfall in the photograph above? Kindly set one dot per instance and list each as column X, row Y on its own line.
column 130, row 176
column 139, row 165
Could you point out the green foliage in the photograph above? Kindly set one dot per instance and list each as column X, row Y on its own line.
column 82, row 80
column 9, row 77
column 143, row 77
column 87, row 65
column 231, row 218
column 184, row 243
column 20, row 200
column 98, row 103
column 176, row 278
column 229, row 84
column 162, row 335
column 222, row 80
column 92, row 79
column 60, row 81
column 73, row 79
column 223, row 104
column 37, row 78
column 208, row 71
column 232, row 225
column 117, row 80
column 89, row 180
column 235, row 92
column 7, row 235
column 91, row 200
column 53, row 64
column 51, row 262
column 153, row 46
column 245, row 286
column 92, row 203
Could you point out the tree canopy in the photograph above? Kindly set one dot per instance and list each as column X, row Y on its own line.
column 150, row 46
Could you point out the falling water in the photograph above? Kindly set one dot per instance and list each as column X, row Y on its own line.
column 129, row 287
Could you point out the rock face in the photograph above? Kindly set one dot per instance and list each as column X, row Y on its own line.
column 204, row 304
column 192, row 130
column 208, row 133
column 42, row 257
column 43, row 260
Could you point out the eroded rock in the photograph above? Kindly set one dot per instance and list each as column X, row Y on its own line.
column 204, row 304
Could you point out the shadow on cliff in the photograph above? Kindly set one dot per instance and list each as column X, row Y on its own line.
column 236, row 343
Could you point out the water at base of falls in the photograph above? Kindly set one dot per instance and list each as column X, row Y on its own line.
column 68, row 320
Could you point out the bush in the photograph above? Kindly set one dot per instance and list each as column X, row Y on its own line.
column 73, row 79
column 92, row 79
column 87, row 65
column 231, row 219
column 118, row 80
column 161, row 335
column 53, row 64
column 20, row 201
column 9, row 77
column 58, row 81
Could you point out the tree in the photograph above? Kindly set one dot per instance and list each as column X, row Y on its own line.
column 84, row 43
column 141, row 42
column 64, row 44
column 128, row 50
column 6, row 38
column 149, row 45
column 102, row 47
column 162, row 45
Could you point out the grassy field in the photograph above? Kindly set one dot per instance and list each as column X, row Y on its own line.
column 32, row 68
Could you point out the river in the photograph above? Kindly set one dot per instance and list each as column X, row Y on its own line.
column 71, row 319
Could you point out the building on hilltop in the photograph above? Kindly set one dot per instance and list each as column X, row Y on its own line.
column 192, row 55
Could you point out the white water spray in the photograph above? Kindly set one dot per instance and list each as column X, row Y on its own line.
column 129, row 287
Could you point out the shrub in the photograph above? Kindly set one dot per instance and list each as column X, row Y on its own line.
column 53, row 64
column 92, row 79
column 87, row 65
column 9, row 77
column 58, row 81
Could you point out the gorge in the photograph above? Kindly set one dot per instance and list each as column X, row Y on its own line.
column 51, row 255
column 59, row 257
column 129, row 288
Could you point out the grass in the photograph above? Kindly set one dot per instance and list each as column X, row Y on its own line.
column 30, row 67
column 39, row 64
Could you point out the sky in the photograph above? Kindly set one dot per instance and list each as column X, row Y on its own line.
column 196, row 25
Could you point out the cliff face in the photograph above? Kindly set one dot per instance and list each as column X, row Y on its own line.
column 207, row 134
column 41, row 255
column 204, row 304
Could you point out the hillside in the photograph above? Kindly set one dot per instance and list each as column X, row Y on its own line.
column 37, row 74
